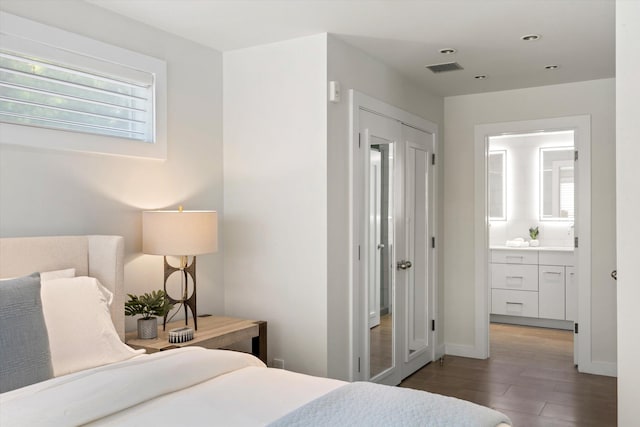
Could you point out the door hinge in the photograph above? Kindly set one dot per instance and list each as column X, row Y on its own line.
column 358, row 252
column 433, row 158
column 575, row 327
column 575, row 155
column 575, row 242
column 433, row 242
column 358, row 364
column 359, row 137
column 433, row 324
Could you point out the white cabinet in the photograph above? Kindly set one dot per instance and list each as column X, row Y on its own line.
column 514, row 303
column 551, row 292
column 511, row 276
column 514, row 283
column 533, row 283
column 514, row 257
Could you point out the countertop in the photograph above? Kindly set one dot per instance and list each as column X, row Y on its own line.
column 536, row 248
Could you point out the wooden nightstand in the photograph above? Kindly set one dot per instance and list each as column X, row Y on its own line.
column 213, row 332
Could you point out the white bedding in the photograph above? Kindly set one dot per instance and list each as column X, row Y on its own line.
column 205, row 387
column 189, row 386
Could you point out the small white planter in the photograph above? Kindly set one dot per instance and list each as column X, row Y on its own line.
column 148, row 328
column 534, row 242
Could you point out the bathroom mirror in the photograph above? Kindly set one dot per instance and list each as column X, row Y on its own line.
column 497, row 185
column 556, row 184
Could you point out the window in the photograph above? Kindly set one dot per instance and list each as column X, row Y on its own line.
column 80, row 94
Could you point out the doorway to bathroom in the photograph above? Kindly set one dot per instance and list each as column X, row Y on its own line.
column 531, row 208
column 533, row 228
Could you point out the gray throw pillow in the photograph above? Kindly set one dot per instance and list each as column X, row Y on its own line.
column 24, row 344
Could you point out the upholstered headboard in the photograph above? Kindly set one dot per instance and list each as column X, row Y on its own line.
column 101, row 257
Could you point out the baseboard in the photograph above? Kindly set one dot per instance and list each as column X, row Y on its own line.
column 532, row 321
column 609, row 369
column 440, row 351
column 463, row 350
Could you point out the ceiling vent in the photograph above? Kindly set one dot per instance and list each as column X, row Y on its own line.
column 441, row 68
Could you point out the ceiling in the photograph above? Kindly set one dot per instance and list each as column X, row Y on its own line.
column 576, row 35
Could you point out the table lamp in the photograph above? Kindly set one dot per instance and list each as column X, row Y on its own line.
column 182, row 234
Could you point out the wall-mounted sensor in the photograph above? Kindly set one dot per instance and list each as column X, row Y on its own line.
column 334, row 91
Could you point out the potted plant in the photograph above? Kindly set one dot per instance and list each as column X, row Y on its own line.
column 148, row 306
column 533, row 233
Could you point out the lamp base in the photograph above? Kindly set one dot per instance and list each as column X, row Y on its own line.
column 187, row 302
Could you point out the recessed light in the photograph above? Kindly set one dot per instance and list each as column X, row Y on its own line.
column 448, row 51
column 480, row 77
column 530, row 37
column 551, row 67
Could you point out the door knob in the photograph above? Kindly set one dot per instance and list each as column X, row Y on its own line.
column 403, row 265
column 614, row 274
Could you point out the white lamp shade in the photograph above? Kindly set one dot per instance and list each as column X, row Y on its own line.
column 179, row 233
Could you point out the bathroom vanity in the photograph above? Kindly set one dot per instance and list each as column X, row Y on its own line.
column 533, row 286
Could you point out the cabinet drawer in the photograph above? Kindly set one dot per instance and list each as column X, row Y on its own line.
column 514, row 303
column 509, row 276
column 552, row 292
column 514, row 257
column 556, row 258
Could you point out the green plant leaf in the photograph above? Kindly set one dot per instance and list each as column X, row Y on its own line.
column 147, row 305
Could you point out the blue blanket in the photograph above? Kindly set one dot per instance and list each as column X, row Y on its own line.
column 368, row 404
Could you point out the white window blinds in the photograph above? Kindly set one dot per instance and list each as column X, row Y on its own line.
column 38, row 92
column 61, row 90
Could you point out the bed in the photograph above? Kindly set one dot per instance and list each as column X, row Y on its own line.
column 95, row 379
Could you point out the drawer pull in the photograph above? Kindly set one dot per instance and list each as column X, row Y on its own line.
column 509, row 258
column 515, row 277
column 515, row 308
column 553, row 272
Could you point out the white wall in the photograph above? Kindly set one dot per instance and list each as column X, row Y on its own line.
column 628, row 208
column 275, row 195
column 47, row 192
column 356, row 70
column 462, row 113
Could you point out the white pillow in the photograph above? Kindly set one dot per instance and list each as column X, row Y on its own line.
column 69, row 273
column 55, row 274
column 81, row 333
column 58, row 274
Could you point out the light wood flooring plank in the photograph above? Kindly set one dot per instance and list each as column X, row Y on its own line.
column 530, row 377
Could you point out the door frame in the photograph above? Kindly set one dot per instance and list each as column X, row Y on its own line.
column 582, row 142
column 358, row 344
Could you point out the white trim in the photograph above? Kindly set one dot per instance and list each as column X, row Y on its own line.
column 609, row 369
column 440, row 351
column 582, row 126
column 357, row 101
column 84, row 142
column 462, row 350
column 567, row 325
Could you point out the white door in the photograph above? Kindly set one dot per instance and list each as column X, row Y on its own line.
column 414, row 248
column 571, row 298
column 379, row 139
column 396, row 278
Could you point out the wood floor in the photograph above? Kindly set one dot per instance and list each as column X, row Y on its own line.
column 530, row 377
